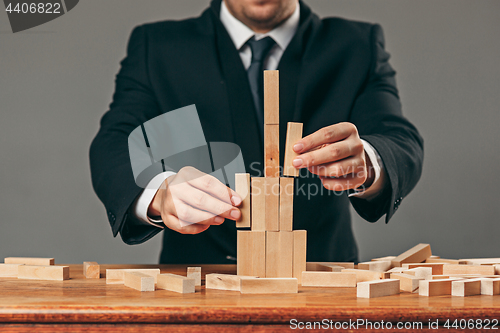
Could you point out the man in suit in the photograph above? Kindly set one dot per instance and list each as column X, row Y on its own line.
column 334, row 78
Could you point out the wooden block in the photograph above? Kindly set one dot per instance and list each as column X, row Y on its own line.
column 251, row 253
column 271, row 97
column 258, row 253
column 322, row 267
column 91, row 270
column 58, row 273
column 466, row 287
column 390, row 258
column 437, row 268
column 258, row 197
column 442, row 261
column 293, row 134
column 420, row 272
column 396, row 270
column 272, row 205
column 468, row 269
column 439, row 277
column 269, row 286
column 272, row 151
column 497, row 269
column 490, row 286
column 407, row 282
column 243, row 252
column 435, row 287
column 371, row 289
column 117, row 276
column 434, row 257
column 286, row 204
column 224, row 281
column 417, row 254
column 29, row 261
column 9, row 270
column 364, row 275
column 377, row 266
column 481, row 261
column 139, row 281
column 176, row 283
column 328, row 279
column 194, row 273
column 348, row 265
column 299, row 254
column 242, row 187
column 279, row 254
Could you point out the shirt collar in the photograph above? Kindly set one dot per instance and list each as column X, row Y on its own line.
column 240, row 33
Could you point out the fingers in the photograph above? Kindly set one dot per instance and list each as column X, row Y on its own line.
column 193, row 205
column 329, row 153
column 215, row 188
column 337, row 169
column 325, row 135
column 348, row 182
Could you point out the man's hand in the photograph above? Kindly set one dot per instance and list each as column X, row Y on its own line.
column 191, row 201
column 336, row 154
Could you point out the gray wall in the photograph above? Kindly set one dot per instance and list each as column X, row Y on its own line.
column 56, row 81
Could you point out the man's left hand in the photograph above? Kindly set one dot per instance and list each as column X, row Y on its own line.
column 336, row 154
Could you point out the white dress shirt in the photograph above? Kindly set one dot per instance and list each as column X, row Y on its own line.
column 240, row 34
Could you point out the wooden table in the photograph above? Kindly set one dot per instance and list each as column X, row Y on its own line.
column 90, row 305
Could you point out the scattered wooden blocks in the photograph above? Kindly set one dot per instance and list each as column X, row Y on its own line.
column 279, row 254
column 347, row 265
column 251, row 253
column 377, row 266
column 407, row 282
column 390, row 258
column 328, row 279
column 224, row 281
column 468, row 269
column 194, row 273
column 176, row 283
column 91, row 270
column 117, row 276
column 286, row 204
column 242, row 187
column 442, row 261
column 269, row 286
column 57, row 273
column 299, row 254
column 293, row 134
column 139, row 281
column 9, row 270
column 435, row 287
column 416, row 254
column 437, row 268
column 364, row 275
column 322, row 267
column 490, row 286
column 420, row 272
column 371, row 289
column 29, row 261
column 466, row 287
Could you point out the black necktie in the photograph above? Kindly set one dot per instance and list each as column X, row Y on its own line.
column 260, row 49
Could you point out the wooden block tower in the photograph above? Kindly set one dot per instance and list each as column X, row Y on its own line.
column 271, row 248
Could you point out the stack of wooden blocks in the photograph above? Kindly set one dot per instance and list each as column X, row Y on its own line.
column 271, row 248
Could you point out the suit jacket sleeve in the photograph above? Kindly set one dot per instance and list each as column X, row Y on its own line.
column 133, row 104
column 378, row 117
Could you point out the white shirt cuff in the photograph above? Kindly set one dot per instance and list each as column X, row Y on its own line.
column 142, row 202
column 378, row 168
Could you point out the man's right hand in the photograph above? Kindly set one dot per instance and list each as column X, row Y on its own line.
column 191, row 201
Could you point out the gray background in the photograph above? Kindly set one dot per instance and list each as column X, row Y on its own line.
column 56, row 81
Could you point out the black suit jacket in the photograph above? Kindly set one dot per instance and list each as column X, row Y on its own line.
column 334, row 70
